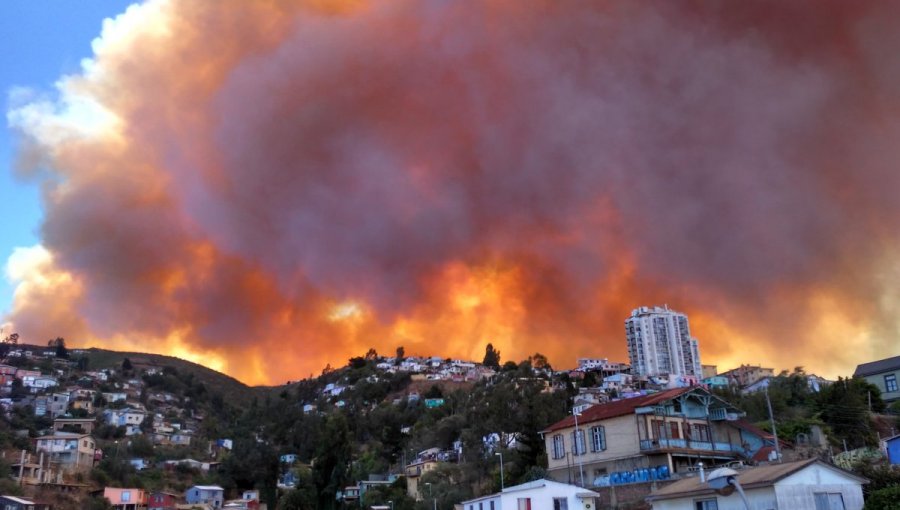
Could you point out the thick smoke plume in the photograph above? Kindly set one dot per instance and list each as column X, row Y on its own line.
column 268, row 187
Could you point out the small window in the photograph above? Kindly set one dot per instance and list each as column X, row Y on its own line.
column 706, row 504
column 560, row 504
column 559, row 446
column 126, row 496
column 578, row 447
column 890, row 383
column 598, row 438
column 524, row 503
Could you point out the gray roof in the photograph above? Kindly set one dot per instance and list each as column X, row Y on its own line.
column 876, row 367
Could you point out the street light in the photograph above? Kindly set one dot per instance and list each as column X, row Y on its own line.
column 499, row 454
column 575, row 445
column 724, row 482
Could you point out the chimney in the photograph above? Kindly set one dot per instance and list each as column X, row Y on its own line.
column 702, row 473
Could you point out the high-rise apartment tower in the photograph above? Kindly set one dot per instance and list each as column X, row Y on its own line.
column 660, row 343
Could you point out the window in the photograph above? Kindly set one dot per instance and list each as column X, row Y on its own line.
column 598, row 438
column 559, row 446
column 126, row 496
column 706, row 504
column 560, row 504
column 480, row 505
column 492, row 505
column 578, row 447
column 675, row 430
column 829, row 501
column 890, row 383
column 700, row 432
column 524, row 503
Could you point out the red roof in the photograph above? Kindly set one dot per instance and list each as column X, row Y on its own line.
column 619, row 408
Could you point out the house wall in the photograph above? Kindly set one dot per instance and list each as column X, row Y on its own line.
column 621, row 442
column 893, row 451
column 542, row 497
column 759, row 499
column 878, row 380
column 796, row 491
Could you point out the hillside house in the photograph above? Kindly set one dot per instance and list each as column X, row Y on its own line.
column 161, row 500
column 124, row 417
column 27, row 376
column 80, row 425
column 41, row 382
column 671, row 430
column 57, row 404
column 126, row 499
column 17, row 503
column 114, row 396
column 883, row 373
column 73, row 452
column 212, row 495
column 424, row 462
column 746, row 375
column 537, row 495
column 804, row 485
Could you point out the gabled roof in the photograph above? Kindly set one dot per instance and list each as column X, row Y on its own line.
column 619, row 408
column 876, row 367
column 750, row 478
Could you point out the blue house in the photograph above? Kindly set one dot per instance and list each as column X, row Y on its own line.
column 893, row 450
column 212, row 495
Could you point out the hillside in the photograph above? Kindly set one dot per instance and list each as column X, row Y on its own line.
column 236, row 391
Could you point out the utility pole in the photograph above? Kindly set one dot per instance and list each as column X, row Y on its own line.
column 870, row 400
column 774, row 431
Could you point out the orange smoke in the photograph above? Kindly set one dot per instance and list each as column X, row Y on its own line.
column 268, row 187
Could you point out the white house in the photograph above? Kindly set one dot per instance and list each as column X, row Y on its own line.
column 804, row 485
column 124, row 417
column 536, row 495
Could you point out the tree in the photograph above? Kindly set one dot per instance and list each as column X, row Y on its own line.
column 401, row 354
column 60, row 344
column 126, row 364
column 332, row 457
column 883, row 499
column 491, row 357
column 8, row 343
column 844, row 407
column 540, row 362
column 303, row 497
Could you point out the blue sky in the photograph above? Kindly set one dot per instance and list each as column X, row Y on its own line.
column 41, row 41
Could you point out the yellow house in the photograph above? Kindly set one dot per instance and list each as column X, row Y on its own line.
column 675, row 429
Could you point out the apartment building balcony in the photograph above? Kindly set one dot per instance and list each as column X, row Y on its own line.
column 690, row 446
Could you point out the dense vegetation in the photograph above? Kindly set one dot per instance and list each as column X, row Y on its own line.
column 374, row 428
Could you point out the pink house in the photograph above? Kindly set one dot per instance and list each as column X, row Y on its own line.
column 126, row 499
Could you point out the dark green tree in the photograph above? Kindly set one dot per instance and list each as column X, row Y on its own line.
column 401, row 354
column 332, row 459
column 59, row 343
column 126, row 364
column 491, row 357
column 303, row 497
column 884, row 499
